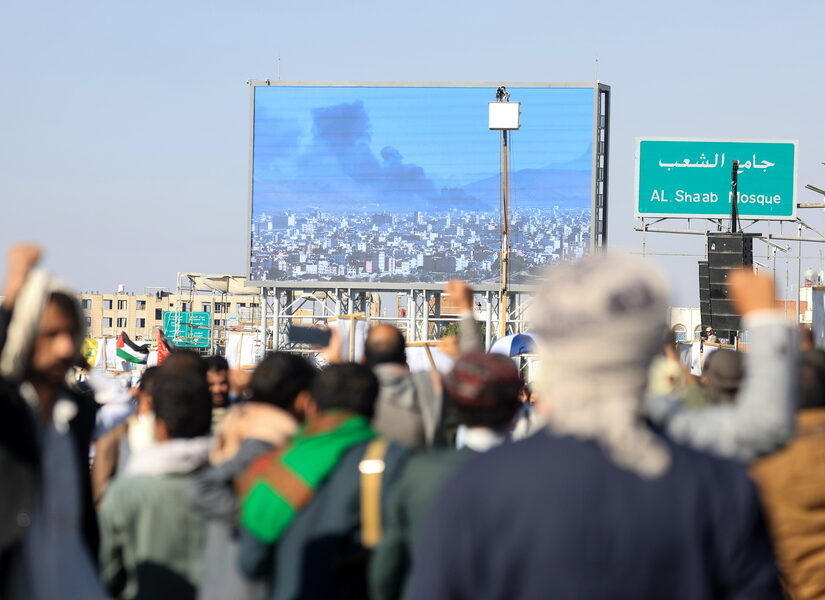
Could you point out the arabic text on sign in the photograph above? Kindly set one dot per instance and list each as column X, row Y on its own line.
column 704, row 163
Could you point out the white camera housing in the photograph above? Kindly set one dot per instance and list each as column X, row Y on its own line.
column 504, row 115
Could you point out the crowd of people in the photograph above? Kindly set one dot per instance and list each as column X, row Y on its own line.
column 616, row 474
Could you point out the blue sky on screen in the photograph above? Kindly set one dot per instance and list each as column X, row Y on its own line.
column 422, row 139
column 444, row 130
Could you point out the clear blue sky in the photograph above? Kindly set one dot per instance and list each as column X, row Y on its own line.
column 124, row 125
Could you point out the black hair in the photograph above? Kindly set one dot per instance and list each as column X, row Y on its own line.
column 216, row 363
column 497, row 416
column 280, row 378
column 492, row 417
column 185, row 361
column 347, row 386
column 147, row 380
column 70, row 307
column 183, row 403
column 389, row 349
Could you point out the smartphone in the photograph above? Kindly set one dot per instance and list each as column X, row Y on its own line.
column 309, row 335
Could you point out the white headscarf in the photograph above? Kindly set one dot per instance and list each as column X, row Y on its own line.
column 600, row 322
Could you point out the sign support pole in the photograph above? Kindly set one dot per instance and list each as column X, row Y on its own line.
column 263, row 321
column 734, row 200
column 799, row 274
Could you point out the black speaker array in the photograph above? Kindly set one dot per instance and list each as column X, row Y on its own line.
column 726, row 253
column 704, row 293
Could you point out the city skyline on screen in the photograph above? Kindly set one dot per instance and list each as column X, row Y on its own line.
column 402, row 184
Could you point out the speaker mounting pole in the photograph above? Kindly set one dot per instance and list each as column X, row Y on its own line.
column 734, row 198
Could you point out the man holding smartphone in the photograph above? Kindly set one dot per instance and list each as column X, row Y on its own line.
column 409, row 410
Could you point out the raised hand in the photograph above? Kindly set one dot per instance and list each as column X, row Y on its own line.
column 21, row 259
column 752, row 291
column 461, row 292
column 333, row 351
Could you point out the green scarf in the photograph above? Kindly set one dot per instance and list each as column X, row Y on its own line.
column 280, row 483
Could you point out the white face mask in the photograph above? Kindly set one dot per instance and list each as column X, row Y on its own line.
column 141, row 431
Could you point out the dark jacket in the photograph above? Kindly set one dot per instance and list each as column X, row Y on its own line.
column 553, row 517
column 19, row 461
column 410, row 504
column 320, row 556
column 410, row 406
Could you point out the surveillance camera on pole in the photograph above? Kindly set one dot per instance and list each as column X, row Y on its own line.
column 503, row 116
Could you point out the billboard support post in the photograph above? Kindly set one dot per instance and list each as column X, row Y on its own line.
column 263, row 322
column 488, row 329
column 275, row 297
column 419, row 318
column 411, row 317
column 601, row 151
column 425, row 316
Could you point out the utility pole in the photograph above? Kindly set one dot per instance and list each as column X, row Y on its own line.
column 504, row 116
column 504, row 255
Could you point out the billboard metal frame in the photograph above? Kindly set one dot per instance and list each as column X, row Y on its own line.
column 598, row 195
column 281, row 306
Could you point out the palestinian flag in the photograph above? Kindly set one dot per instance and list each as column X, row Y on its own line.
column 130, row 351
column 165, row 347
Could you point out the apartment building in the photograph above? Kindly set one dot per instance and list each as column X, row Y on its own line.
column 141, row 315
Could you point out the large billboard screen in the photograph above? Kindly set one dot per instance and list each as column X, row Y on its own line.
column 393, row 185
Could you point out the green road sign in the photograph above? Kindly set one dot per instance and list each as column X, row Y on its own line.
column 691, row 178
column 188, row 329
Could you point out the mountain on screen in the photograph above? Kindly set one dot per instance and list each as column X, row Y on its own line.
column 339, row 171
column 566, row 185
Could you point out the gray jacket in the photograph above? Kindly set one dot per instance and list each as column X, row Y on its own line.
column 212, row 494
column 410, row 406
column 762, row 418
